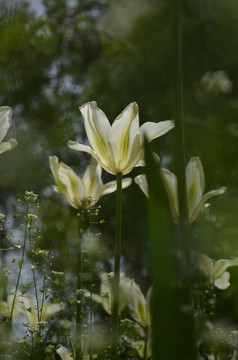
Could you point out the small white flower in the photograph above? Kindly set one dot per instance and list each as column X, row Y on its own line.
column 118, row 148
column 5, row 123
column 85, row 192
column 215, row 270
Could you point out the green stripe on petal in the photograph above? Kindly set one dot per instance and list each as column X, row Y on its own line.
column 195, row 184
column 75, row 191
column 170, row 181
column 123, row 134
column 97, row 128
column 5, row 120
column 92, row 179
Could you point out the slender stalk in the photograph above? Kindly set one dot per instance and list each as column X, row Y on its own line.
column 91, row 298
column 34, row 275
column 21, row 262
column 91, row 316
column 178, row 114
column 43, row 294
column 116, row 280
column 146, row 342
column 79, row 285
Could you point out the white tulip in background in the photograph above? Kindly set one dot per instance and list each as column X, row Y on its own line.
column 85, row 192
column 215, row 270
column 195, row 182
column 5, row 123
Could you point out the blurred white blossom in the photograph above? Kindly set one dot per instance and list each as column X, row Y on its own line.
column 216, row 82
column 85, row 192
column 5, row 123
column 215, row 270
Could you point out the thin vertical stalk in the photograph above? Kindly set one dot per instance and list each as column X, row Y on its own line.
column 34, row 275
column 178, row 114
column 21, row 262
column 91, row 298
column 116, row 280
column 79, row 285
column 146, row 342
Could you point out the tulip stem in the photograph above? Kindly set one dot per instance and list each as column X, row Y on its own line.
column 116, row 280
column 146, row 342
column 79, row 285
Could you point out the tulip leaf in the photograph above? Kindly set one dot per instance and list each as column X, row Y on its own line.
column 172, row 324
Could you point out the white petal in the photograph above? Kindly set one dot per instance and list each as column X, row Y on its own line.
column 206, row 265
column 152, row 130
column 142, row 182
column 170, row 181
column 50, row 309
column 75, row 191
column 92, row 179
column 212, row 193
column 54, row 166
column 111, row 186
column 193, row 215
column 9, row 145
column 80, row 147
column 97, row 128
column 222, row 265
column 195, row 184
column 222, row 282
column 64, row 353
column 137, row 304
column 124, row 140
column 5, row 120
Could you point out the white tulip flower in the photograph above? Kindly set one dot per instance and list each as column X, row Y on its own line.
column 215, row 270
column 64, row 353
column 195, row 182
column 6, row 306
column 130, row 296
column 5, row 123
column 29, row 310
column 118, row 148
column 85, row 192
column 105, row 297
column 139, row 306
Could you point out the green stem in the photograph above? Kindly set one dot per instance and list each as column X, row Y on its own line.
column 146, row 342
column 79, row 307
column 91, row 316
column 43, row 294
column 34, row 276
column 178, row 114
column 21, row 263
column 116, row 280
